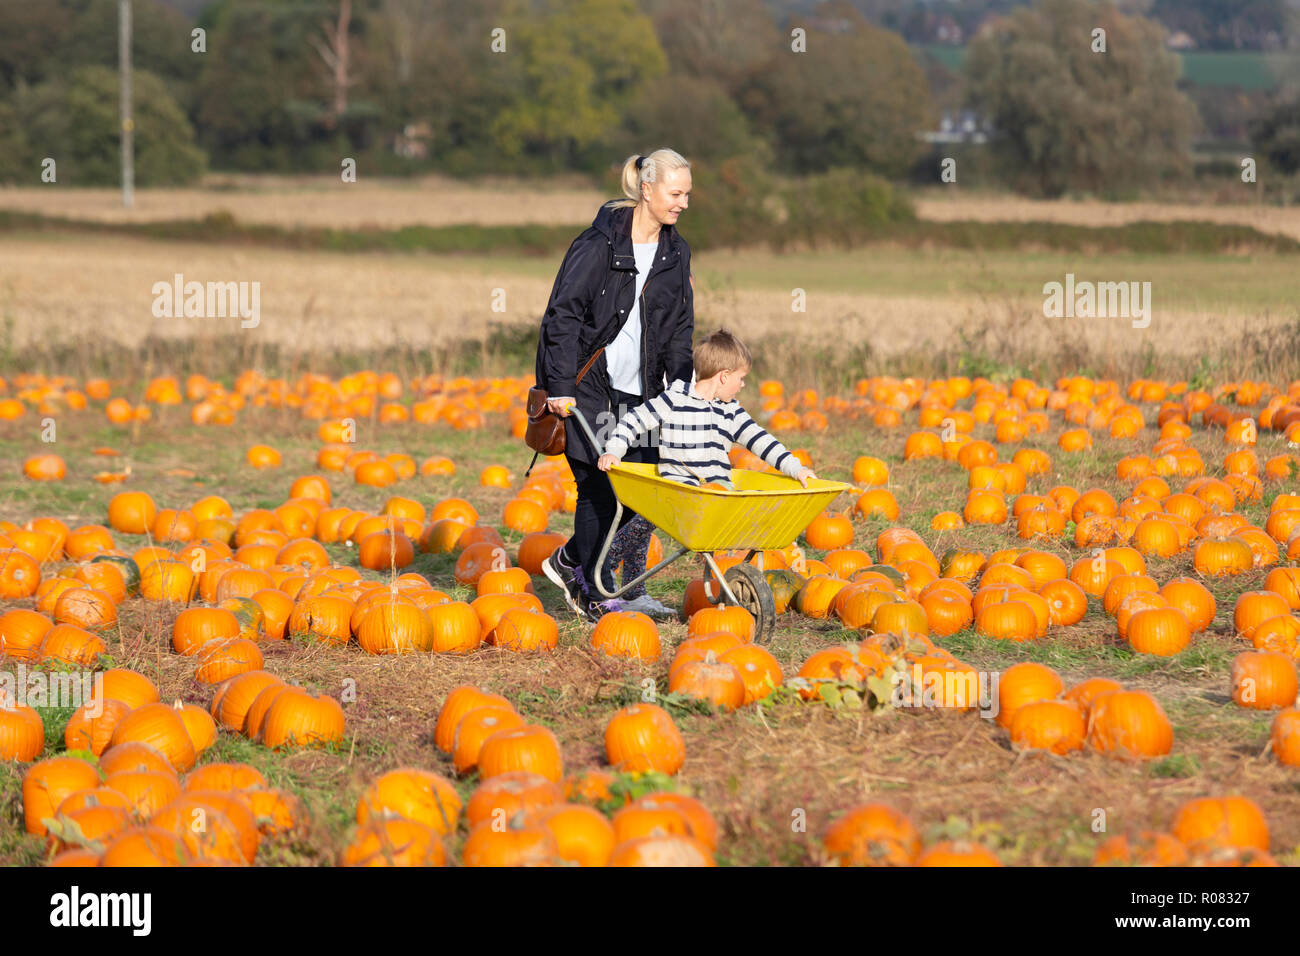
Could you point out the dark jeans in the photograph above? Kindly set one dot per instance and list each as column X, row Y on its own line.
column 595, row 513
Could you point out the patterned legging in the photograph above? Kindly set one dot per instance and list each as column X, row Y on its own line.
column 630, row 547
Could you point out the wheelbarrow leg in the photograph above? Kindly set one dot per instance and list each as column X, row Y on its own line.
column 755, row 595
column 604, row 553
column 720, row 578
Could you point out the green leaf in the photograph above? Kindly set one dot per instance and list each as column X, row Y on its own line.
column 881, row 690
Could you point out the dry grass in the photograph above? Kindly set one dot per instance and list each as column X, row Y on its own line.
column 326, row 201
column 950, row 206
column 72, row 287
column 89, row 293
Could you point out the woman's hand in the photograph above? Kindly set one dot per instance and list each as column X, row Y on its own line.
column 560, row 406
column 606, row 462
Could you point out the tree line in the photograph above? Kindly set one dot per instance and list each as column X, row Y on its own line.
column 1208, row 24
column 537, row 86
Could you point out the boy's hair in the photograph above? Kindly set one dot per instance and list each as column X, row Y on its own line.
column 720, row 350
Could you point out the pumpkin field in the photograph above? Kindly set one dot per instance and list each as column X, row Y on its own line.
column 1053, row 623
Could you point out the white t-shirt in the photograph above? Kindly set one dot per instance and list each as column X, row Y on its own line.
column 623, row 355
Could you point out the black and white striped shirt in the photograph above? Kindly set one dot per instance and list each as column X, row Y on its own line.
column 695, row 435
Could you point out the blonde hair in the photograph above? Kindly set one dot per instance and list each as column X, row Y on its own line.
column 653, row 168
column 720, row 350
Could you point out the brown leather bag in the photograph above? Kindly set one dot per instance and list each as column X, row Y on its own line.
column 545, row 433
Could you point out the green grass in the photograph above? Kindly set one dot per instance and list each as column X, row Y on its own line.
column 546, row 242
column 1185, row 281
column 1250, row 70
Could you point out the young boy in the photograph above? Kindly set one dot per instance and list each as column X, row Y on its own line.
column 698, row 423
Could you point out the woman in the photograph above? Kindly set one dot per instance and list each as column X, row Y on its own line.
column 622, row 309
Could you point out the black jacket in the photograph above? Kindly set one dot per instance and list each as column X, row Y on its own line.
column 589, row 304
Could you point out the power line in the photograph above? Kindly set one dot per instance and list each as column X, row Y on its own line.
column 128, row 121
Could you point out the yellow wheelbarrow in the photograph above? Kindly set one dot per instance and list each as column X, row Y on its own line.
column 764, row 512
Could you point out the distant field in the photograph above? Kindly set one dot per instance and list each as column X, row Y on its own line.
column 76, row 293
column 324, row 201
column 92, row 292
column 935, row 205
column 1248, row 70
column 438, row 201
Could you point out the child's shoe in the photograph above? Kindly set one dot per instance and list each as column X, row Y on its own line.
column 650, row 607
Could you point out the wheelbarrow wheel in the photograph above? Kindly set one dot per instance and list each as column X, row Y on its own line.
column 754, row 595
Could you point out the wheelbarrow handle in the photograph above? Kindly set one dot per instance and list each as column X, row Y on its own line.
column 618, row 506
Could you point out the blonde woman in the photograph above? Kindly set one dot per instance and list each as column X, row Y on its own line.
column 622, row 310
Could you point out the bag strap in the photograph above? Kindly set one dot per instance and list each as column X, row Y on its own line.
column 590, row 362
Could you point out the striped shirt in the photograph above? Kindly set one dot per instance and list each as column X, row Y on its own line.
column 695, row 435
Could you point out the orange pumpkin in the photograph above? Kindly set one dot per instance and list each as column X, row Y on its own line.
column 627, row 634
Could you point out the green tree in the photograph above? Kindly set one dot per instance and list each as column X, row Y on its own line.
column 42, row 40
column 1068, row 118
column 16, row 163
column 726, row 41
column 259, row 98
column 857, row 98
column 1276, row 136
column 29, row 39
column 694, row 116
column 579, row 64
column 76, row 122
column 429, row 61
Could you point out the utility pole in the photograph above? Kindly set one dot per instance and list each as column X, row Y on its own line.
column 128, row 122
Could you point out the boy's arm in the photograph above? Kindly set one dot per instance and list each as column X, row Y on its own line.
column 753, row 436
column 634, row 424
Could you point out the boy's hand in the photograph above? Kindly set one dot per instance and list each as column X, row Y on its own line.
column 605, row 462
column 804, row 475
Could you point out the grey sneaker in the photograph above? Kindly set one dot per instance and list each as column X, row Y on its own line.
column 567, row 579
column 651, row 608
